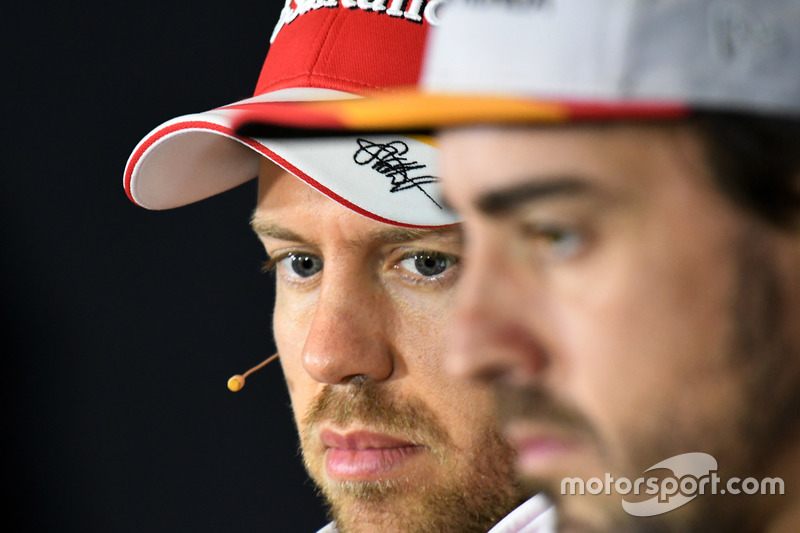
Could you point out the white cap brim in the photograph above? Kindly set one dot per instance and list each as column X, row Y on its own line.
column 391, row 179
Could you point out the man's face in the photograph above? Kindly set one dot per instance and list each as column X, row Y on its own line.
column 392, row 441
column 624, row 309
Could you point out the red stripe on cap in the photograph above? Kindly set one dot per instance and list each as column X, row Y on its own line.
column 157, row 136
column 284, row 114
column 329, row 193
column 141, row 150
column 633, row 110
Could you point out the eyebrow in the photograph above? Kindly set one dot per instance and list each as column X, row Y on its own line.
column 400, row 235
column 263, row 228
column 502, row 201
column 394, row 235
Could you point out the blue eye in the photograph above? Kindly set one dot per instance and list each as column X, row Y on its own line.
column 303, row 265
column 428, row 264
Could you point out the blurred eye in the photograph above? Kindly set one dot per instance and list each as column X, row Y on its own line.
column 303, row 265
column 428, row 264
column 557, row 241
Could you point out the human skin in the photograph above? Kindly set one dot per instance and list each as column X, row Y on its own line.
column 393, row 442
column 616, row 301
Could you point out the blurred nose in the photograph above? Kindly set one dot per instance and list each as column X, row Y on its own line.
column 348, row 336
column 492, row 340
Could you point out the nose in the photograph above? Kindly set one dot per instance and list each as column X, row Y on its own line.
column 492, row 337
column 348, row 336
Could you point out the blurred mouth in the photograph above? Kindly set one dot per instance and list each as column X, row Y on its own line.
column 543, row 451
column 365, row 455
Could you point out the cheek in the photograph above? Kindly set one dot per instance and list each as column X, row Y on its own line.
column 464, row 408
column 421, row 323
column 644, row 342
column 291, row 320
column 467, row 410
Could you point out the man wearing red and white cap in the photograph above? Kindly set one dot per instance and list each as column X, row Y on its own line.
column 366, row 259
column 629, row 176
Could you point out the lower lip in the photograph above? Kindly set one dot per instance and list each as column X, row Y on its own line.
column 367, row 464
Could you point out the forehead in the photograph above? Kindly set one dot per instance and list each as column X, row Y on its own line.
column 477, row 161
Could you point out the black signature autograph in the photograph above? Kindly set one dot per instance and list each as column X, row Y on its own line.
column 389, row 160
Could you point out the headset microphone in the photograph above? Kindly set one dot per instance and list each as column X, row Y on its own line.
column 237, row 381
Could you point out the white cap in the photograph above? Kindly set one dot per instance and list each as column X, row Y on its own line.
column 528, row 61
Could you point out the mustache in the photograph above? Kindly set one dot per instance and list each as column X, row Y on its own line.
column 365, row 402
column 533, row 403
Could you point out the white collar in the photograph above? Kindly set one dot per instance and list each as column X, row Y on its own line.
column 537, row 515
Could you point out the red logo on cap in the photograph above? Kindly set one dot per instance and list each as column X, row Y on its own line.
column 414, row 11
column 353, row 46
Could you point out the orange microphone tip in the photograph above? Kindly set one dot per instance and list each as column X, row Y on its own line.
column 236, row 383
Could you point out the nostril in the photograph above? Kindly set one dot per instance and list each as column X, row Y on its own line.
column 476, row 367
column 490, row 374
column 357, row 380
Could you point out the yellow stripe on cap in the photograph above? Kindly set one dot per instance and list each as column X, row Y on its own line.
column 424, row 111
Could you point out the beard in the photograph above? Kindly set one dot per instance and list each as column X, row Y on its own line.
column 764, row 424
column 470, row 491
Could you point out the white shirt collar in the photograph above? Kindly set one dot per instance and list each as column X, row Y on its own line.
column 537, row 515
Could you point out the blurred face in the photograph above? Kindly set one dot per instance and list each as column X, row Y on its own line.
column 392, row 441
column 626, row 313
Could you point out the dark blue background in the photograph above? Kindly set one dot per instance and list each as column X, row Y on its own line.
column 122, row 325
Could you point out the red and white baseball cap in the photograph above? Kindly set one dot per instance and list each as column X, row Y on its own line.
column 556, row 61
column 321, row 50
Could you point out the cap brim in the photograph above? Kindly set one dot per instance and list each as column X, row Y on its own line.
column 412, row 110
column 390, row 179
column 195, row 156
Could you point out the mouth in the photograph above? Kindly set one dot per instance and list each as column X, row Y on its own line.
column 365, row 455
